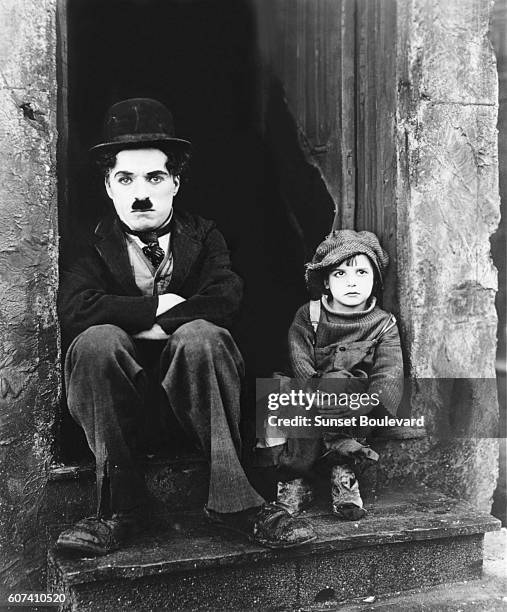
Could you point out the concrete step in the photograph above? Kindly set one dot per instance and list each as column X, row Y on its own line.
column 181, row 481
column 488, row 594
column 71, row 491
column 409, row 539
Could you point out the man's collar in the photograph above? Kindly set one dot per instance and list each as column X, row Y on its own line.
column 185, row 246
column 110, row 225
column 164, row 229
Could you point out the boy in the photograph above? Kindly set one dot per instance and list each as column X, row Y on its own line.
column 343, row 334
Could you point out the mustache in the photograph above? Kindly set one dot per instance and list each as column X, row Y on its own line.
column 144, row 204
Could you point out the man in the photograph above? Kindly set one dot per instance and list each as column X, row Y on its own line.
column 147, row 305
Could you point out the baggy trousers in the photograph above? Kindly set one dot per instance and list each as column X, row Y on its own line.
column 200, row 372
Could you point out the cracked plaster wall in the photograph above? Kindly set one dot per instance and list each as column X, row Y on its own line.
column 29, row 336
column 448, row 208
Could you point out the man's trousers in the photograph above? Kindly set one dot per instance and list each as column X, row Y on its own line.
column 108, row 388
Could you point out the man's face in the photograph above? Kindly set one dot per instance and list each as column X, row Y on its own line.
column 141, row 188
column 351, row 284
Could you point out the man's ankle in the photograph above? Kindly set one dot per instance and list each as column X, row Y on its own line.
column 246, row 515
column 264, row 480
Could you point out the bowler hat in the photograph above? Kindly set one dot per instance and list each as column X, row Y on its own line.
column 139, row 121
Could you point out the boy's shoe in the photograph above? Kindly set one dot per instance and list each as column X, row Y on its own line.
column 295, row 495
column 98, row 536
column 347, row 502
column 270, row 525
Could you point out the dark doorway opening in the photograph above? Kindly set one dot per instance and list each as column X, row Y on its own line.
column 200, row 58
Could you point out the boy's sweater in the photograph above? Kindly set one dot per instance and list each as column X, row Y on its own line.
column 386, row 371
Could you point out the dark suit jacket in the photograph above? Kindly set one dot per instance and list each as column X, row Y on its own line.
column 98, row 286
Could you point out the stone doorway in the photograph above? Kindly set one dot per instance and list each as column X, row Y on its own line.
column 444, row 80
column 203, row 59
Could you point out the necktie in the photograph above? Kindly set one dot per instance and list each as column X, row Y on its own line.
column 153, row 251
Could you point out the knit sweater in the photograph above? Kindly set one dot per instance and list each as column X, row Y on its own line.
column 345, row 341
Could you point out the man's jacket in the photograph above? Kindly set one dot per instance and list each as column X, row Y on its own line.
column 98, row 287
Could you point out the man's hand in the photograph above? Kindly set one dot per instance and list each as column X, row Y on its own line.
column 166, row 301
column 154, row 333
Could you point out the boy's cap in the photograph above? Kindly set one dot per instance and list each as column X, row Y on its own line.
column 340, row 245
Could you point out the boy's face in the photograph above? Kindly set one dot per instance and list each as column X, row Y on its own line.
column 351, row 284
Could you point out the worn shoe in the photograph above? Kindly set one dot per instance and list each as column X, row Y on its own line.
column 270, row 525
column 97, row 536
column 346, row 499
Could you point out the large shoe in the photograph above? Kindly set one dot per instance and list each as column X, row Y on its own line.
column 347, row 502
column 97, row 536
column 270, row 525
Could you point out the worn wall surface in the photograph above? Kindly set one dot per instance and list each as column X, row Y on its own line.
column 29, row 380
column 499, row 248
column 448, row 208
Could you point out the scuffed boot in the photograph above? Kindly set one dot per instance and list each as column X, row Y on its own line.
column 346, row 500
column 99, row 536
column 269, row 525
column 295, row 495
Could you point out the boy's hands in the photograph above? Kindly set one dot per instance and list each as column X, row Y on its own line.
column 328, row 408
column 327, row 404
column 331, row 410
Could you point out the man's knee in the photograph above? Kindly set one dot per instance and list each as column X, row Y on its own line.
column 200, row 333
column 201, row 339
column 101, row 341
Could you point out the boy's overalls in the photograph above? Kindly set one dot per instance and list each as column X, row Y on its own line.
column 342, row 452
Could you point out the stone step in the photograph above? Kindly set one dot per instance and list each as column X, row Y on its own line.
column 409, row 539
column 181, row 482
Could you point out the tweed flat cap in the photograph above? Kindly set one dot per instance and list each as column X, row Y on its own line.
column 340, row 245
